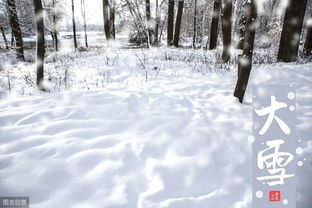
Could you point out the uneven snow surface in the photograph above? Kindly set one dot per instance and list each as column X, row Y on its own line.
column 176, row 141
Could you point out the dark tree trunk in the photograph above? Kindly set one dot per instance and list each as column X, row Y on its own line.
column 290, row 38
column 112, row 20
column 74, row 24
column 148, row 10
column 178, row 24
column 12, row 39
column 106, row 19
column 194, row 27
column 170, row 22
column 4, row 38
column 83, row 11
column 226, row 30
column 155, row 42
column 214, row 24
column 242, row 26
column 40, row 43
column 55, row 38
column 148, row 19
column 12, row 13
column 245, row 60
column 307, row 50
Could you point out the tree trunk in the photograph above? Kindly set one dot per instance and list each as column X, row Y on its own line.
column 55, row 38
column 4, row 38
column 170, row 22
column 226, row 30
column 112, row 20
column 40, row 43
column 178, row 23
column 307, row 50
column 83, row 11
column 74, row 24
column 194, row 27
column 245, row 60
column 148, row 19
column 12, row 39
column 106, row 19
column 290, row 38
column 157, row 13
column 214, row 24
column 242, row 27
column 12, row 13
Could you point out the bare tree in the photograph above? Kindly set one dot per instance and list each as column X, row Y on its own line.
column 83, row 12
column 112, row 11
column 139, row 21
column 54, row 11
column 107, row 26
column 4, row 38
column 157, row 21
column 307, row 50
column 242, row 25
column 170, row 25
column 226, row 30
column 178, row 23
column 74, row 24
column 16, row 29
column 148, row 19
column 214, row 24
column 40, row 43
column 55, row 38
column 290, row 38
column 245, row 60
column 194, row 22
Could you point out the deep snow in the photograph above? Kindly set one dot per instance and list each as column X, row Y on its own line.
column 176, row 139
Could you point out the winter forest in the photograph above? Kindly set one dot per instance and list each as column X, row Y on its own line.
column 145, row 103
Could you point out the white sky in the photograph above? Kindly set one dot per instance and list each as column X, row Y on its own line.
column 94, row 12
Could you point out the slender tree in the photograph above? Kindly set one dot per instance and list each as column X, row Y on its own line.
column 83, row 11
column 148, row 19
column 12, row 38
column 290, row 38
column 157, row 14
column 245, row 60
column 170, row 21
column 194, row 26
column 16, row 30
column 307, row 50
column 214, row 24
column 161, row 23
column 106, row 15
column 55, row 33
column 226, row 30
column 40, row 43
column 74, row 24
column 4, row 38
column 112, row 19
column 242, row 26
column 178, row 23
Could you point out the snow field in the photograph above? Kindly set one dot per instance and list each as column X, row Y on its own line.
column 177, row 140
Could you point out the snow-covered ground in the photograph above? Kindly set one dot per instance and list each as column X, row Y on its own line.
column 137, row 128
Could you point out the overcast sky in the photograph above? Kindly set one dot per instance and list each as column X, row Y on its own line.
column 94, row 12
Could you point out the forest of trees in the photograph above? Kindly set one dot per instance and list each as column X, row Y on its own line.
column 229, row 23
